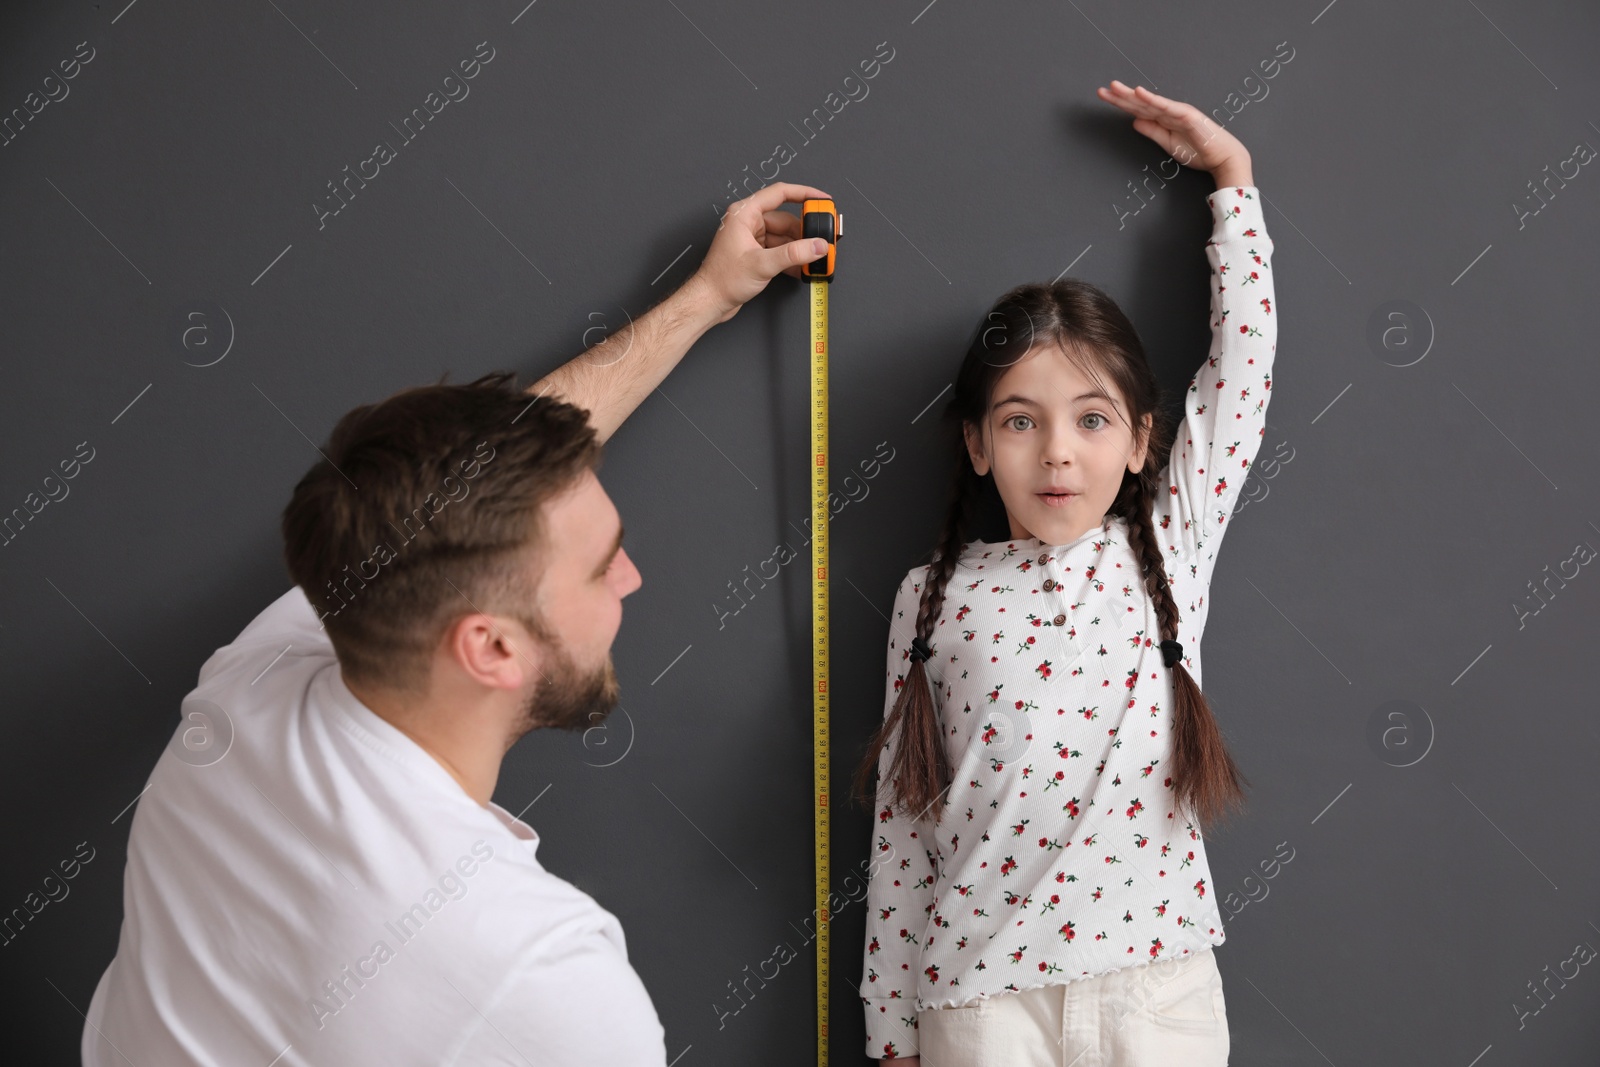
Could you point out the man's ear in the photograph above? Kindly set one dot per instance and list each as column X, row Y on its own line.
column 1141, row 447
column 980, row 462
column 494, row 651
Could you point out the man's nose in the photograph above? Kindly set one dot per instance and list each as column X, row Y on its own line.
column 635, row 579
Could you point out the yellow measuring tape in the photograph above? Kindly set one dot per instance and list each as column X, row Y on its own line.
column 820, row 218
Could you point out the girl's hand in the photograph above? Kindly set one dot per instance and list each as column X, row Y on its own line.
column 1184, row 132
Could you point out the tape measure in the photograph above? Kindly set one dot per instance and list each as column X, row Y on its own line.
column 820, row 218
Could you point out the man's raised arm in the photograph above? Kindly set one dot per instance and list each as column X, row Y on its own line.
column 756, row 241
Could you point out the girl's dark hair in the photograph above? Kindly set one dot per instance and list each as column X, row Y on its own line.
column 1097, row 336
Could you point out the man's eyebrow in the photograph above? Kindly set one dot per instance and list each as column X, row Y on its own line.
column 1093, row 394
column 609, row 555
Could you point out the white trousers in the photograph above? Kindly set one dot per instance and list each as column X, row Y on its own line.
column 1170, row 1013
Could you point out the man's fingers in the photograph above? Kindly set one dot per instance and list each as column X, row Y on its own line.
column 780, row 231
column 787, row 257
column 772, row 196
column 782, row 223
column 760, row 209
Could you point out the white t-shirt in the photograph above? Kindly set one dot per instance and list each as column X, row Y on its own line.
column 304, row 882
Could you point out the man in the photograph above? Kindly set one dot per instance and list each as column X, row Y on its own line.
column 316, row 872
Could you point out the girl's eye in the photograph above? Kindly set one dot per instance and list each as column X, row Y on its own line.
column 1015, row 417
column 1096, row 415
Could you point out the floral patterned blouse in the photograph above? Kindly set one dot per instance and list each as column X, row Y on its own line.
column 1060, row 855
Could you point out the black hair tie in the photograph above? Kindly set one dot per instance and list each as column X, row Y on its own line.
column 920, row 650
column 1171, row 652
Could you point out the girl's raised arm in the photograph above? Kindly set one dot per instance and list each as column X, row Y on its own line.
column 900, row 879
column 1225, row 408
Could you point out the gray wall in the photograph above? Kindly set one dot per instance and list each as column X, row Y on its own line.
column 1399, row 649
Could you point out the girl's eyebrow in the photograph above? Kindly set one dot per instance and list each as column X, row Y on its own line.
column 1093, row 394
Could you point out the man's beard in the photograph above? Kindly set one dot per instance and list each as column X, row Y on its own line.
column 566, row 697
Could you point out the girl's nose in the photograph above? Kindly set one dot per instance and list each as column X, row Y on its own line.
column 1058, row 448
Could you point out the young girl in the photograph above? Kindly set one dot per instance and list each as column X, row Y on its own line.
column 1040, row 893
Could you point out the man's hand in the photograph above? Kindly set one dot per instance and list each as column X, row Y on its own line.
column 756, row 242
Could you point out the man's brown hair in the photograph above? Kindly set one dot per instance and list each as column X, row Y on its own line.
column 428, row 506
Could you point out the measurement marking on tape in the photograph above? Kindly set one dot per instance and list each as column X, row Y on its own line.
column 820, row 218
